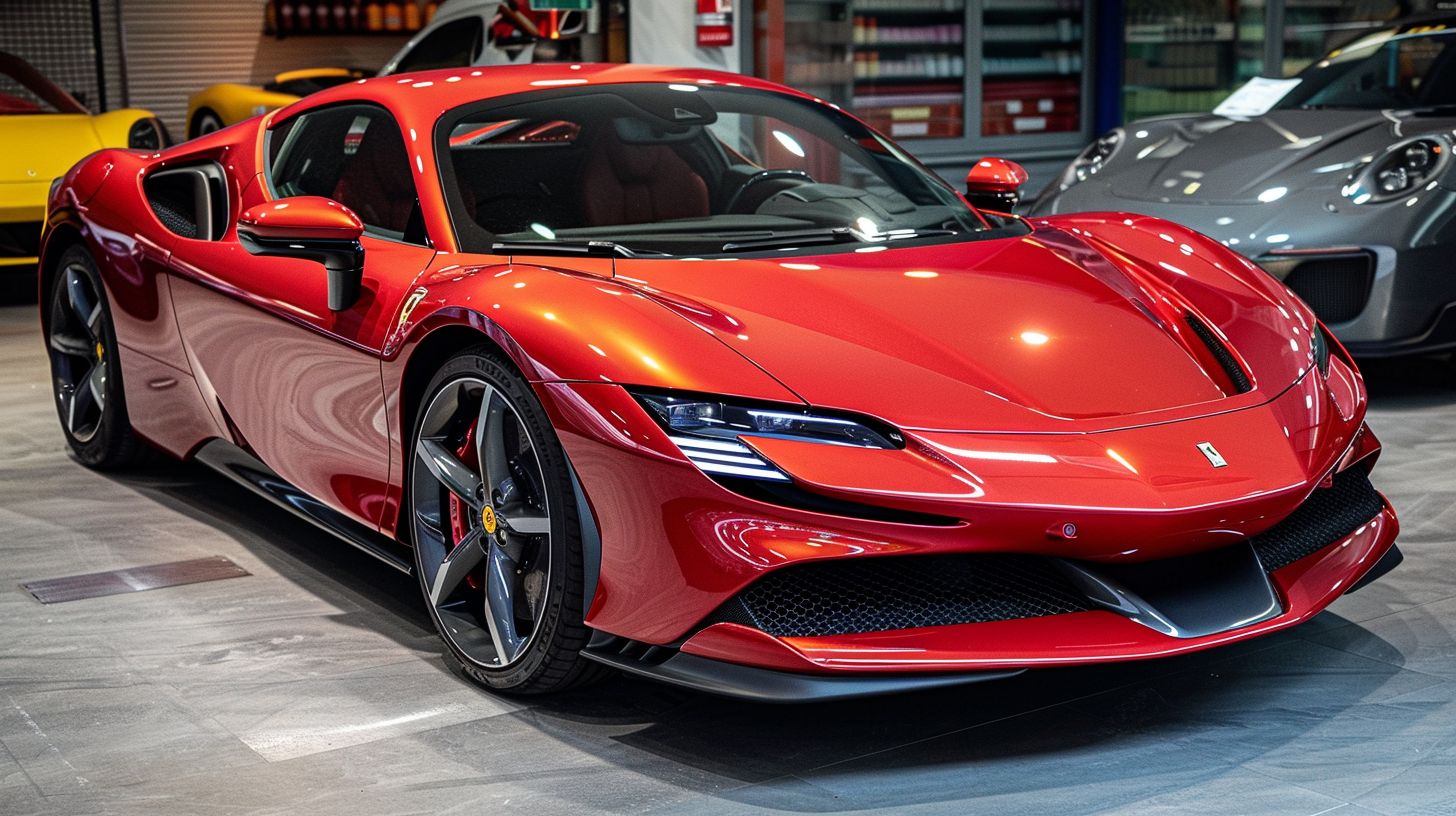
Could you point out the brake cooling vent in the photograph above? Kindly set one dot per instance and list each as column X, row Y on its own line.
column 1328, row 515
column 902, row 592
column 1335, row 287
column 1220, row 352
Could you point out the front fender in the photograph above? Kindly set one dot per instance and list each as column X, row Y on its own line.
column 1267, row 325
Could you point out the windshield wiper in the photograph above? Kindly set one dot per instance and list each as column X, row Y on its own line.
column 598, row 249
column 838, row 235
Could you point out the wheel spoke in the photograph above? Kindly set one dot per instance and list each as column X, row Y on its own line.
column 526, row 520
column 490, row 439
column 500, row 605
column 72, row 345
column 459, row 563
column 82, row 399
column 86, row 308
column 96, row 384
column 450, row 471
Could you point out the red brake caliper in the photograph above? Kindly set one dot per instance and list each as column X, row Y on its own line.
column 459, row 520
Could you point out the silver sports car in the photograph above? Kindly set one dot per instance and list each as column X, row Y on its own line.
column 1338, row 181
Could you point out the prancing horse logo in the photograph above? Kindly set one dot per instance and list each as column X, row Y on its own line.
column 1214, row 457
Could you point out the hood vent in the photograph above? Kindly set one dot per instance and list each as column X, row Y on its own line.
column 1220, row 352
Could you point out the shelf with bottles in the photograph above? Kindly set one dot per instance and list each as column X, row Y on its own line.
column 917, row 112
column 1050, row 63
column 869, row 67
column 867, row 30
column 1183, row 32
column 898, row 7
column 292, row 18
column 1064, row 31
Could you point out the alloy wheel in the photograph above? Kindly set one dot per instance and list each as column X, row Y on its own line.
column 482, row 522
column 79, row 352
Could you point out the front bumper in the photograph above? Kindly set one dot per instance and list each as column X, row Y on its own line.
column 677, row 548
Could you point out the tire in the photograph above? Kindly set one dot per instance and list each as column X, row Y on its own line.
column 480, row 638
column 204, row 121
column 86, row 375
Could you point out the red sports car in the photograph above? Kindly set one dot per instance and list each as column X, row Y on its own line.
column 698, row 377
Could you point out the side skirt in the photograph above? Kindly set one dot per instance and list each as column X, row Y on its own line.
column 245, row 469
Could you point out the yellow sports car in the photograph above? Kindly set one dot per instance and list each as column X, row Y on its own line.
column 217, row 106
column 43, row 132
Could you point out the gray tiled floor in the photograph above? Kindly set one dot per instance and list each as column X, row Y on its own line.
column 314, row 685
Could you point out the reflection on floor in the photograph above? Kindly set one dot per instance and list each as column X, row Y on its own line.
column 315, row 685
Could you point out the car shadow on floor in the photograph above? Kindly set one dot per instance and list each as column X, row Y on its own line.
column 1410, row 382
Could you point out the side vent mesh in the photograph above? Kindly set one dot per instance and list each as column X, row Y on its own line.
column 1220, row 352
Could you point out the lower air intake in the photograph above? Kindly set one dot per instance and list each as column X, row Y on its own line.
column 1328, row 515
column 902, row 592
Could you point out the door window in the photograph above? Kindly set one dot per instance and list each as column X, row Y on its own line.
column 355, row 155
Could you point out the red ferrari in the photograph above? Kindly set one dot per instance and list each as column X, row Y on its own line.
column 700, row 378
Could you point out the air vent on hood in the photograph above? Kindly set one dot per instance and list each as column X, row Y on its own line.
column 1220, row 352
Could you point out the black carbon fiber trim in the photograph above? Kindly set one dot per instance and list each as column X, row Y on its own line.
column 902, row 592
column 1220, row 352
column 1328, row 515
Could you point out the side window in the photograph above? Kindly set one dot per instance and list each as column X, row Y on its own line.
column 355, row 155
column 452, row 45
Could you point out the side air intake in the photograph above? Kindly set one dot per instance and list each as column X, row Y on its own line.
column 1220, row 352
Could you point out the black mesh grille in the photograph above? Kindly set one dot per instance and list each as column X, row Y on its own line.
column 1328, row 515
column 902, row 592
column 1221, row 353
column 19, row 239
column 1336, row 288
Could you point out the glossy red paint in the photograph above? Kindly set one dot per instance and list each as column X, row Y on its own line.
column 996, row 177
column 302, row 217
column 1039, row 380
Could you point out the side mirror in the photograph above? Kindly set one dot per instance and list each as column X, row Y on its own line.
column 313, row 228
column 995, row 184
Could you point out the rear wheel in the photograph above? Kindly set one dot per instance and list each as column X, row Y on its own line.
column 496, row 535
column 205, row 121
column 85, row 367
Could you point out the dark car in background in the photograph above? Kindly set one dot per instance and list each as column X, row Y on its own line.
column 1338, row 181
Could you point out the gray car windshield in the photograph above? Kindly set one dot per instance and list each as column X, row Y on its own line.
column 1385, row 69
column 678, row 169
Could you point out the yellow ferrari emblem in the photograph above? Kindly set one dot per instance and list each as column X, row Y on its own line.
column 487, row 519
column 100, row 351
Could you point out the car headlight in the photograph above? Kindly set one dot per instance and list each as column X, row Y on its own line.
column 1399, row 171
column 145, row 134
column 708, row 431
column 1092, row 158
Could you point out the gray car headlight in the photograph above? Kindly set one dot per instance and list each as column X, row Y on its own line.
column 1398, row 172
column 1092, row 158
column 708, row 430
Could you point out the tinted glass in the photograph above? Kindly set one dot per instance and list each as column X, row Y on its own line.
column 1381, row 70
column 452, row 45
column 355, row 155
column 686, row 169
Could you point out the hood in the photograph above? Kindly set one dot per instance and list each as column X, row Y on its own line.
column 1036, row 333
column 41, row 147
column 1214, row 160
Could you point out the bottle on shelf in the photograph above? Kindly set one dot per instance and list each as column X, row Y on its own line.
column 285, row 17
column 374, row 16
column 393, row 16
column 411, row 15
column 430, row 8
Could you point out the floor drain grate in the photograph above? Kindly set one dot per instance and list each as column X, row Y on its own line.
column 133, row 579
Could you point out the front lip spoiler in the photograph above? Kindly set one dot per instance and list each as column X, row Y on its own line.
column 770, row 686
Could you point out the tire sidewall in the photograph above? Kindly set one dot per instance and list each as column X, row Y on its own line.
column 562, row 605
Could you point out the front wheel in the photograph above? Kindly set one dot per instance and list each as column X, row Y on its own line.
column 496, row 534
column 86, row 368
column 205, row 121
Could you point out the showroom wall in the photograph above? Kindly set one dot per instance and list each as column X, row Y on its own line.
column 174, row 50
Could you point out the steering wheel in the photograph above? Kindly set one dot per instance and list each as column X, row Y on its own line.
column 763, row 175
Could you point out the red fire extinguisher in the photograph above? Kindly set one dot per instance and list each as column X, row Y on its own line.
column 715, row 23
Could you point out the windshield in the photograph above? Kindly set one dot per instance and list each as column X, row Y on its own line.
column 1386, row 69
column 696, row 170
column 23, row 90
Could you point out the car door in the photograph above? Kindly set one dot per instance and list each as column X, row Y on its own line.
column 294, row 383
